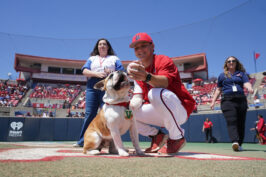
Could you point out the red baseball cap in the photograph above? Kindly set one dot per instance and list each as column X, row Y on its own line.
column 140, row 37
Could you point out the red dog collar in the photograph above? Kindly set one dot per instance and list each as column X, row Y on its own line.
column 125, row 104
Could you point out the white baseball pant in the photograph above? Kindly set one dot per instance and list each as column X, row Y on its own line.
column 165, row 110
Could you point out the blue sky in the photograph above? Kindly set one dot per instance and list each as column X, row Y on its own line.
column 69, row 29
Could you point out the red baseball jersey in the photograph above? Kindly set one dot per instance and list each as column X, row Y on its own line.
column 164, row 66
column 260, row 126
column 207, row 124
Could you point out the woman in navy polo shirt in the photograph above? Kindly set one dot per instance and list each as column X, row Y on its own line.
column 102, row 61
column 231, row 85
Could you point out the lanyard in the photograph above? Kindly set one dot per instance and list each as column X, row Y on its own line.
column 101, row 60
column 234, row 88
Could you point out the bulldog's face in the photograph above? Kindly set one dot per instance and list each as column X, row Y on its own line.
column 115, row 82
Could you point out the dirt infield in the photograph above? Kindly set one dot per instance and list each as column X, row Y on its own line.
column 200, row 156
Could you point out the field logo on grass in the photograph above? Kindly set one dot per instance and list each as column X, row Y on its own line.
column 16, row 129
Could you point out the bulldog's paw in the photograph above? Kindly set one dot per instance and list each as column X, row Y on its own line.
column 136, row 102
column 122, row 152
column 94, row 152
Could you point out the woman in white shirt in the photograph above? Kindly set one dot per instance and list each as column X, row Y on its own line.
column 102, row 61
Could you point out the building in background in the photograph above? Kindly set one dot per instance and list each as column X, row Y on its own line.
column 55, row 70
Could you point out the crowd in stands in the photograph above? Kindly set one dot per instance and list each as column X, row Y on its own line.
column 62, row 92
column 82, row 101
column 38, row 114
column 57, row 92
column 203, row 92
column 263, row 81
column 11, row 93
column 75, row 114
column 48, row 114
column 263, row 85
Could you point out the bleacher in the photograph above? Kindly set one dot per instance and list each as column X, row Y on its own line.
column 58, row 95
column 64, row 98
column 11, row 93
column 82, row 101
column 263, row 86
column 203, row 93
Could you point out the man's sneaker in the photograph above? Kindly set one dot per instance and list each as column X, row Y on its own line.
column 157, row 142
column 76, row 145
column 240, row 148
column 172, row 146
column 235, row 146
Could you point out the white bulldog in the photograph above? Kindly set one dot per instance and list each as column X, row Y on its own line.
column 114, row 119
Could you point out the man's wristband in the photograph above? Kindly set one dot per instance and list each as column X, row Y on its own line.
column 148, row 78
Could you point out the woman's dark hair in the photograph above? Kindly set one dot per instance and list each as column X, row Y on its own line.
column 96, row 51
column 239, row 66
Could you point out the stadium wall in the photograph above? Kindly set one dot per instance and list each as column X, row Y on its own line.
column 68, row 129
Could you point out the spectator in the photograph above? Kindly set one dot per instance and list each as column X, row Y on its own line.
column 69, row 114
column 82, row 114
column 28, row 114
column 207, row 128
column 261, row 129
column 44, row 114
column 51, row 114
column 76, row 114
column 101, row 62
column 231, row 84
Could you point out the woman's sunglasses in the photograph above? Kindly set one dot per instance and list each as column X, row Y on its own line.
column 231, row 61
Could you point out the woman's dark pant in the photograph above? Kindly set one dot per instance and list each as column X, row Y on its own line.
column 234, row 110
column 208, row 133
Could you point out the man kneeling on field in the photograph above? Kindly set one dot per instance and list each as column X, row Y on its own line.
column 160, row 98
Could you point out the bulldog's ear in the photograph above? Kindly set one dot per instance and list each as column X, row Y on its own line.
column 100, row 85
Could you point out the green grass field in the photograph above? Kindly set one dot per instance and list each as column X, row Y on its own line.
column 145, row 166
